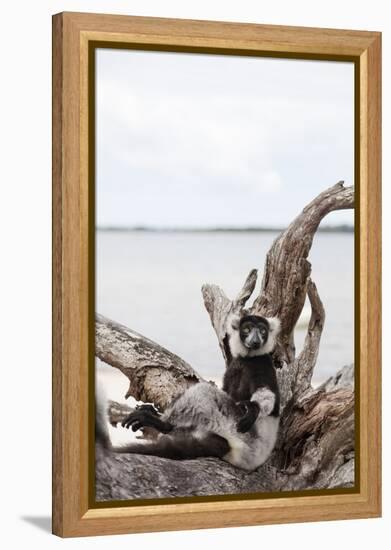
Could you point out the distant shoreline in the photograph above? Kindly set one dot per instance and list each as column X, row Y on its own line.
column 113, row 229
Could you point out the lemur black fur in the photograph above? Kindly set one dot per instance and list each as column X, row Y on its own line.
column 250, row 367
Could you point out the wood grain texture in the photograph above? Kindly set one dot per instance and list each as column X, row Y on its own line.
column 370, row 273
column 58, row 465
column 72, row 515
column 315, row 450
column 214, row 34
column 155, row 374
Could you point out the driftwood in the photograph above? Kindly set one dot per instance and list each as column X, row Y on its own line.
column 315, row 448
column 155, row 374
column 121, row 477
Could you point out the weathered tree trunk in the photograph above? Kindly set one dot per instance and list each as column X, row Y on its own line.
column 326, row 421
column 155, row 374
column 315, row 448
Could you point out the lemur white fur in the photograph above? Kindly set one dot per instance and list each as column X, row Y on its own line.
column 236, row 345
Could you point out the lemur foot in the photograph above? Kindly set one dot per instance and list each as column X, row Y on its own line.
column 149, row 408
column 136, row 420
column 140, row 417
column 144, row 418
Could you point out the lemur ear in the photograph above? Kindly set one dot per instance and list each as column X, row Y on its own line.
column 235, row 321
column 274, row 325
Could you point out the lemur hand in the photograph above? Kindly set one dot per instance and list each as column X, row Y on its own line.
column 250, row 411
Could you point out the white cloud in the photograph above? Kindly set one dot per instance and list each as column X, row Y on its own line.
column 184, row 136
column 245, row 130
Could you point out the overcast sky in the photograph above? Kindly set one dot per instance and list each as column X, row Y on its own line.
column 201, row 140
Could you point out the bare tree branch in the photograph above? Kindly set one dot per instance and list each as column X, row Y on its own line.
column 284, row 284
column 220, row 308
column 286, row 275
column 306, row 361
column 247, row 290
column 116, row 412
column 155, row 374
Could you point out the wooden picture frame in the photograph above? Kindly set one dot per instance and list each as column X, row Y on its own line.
column 75, row 35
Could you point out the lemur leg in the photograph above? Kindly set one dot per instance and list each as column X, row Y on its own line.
column 180, row 446
column 142, row 418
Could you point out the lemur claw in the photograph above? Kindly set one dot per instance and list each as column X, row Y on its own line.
column 133, row 419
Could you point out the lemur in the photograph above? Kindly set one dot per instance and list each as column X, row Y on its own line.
column 238, row 423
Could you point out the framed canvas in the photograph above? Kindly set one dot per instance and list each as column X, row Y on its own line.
column 189, row 156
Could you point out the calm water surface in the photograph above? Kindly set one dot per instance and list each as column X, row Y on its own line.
column 152, row 282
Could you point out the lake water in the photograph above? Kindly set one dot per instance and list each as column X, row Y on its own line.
column 151, row 282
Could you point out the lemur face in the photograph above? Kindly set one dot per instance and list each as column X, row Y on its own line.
column 252, row 335
column 254, row 332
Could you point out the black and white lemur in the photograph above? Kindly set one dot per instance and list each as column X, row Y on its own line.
column 238, row 423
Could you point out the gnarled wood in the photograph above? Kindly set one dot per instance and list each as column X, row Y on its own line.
column 315, row 451
column 286, row 282
column 220, row 308
column 315, row 447
column 155, row 374
column 285, row 279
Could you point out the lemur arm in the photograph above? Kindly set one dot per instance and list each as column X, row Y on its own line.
column 262, row 404
column 250, row 412
column 263, row 400
column 264, row 388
